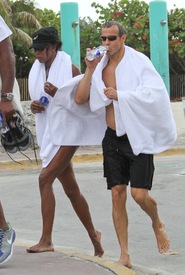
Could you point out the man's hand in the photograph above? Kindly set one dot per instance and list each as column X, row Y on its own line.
column 7, row 109
column 111, row 93
column 93, row 63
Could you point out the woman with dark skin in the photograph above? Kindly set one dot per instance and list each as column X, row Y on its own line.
column 59, row 166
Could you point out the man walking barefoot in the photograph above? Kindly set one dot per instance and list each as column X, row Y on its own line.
column 139, row 124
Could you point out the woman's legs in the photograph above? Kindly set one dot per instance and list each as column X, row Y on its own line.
column 61, row 168
column 79, row 203
column 46, row 179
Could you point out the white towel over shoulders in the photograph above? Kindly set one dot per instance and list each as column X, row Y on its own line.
column 59, row 73
column 142, row 111
column 143, row 108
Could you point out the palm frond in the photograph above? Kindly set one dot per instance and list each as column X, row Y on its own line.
column 18, row 34
column 25, row 19
column 5, row 12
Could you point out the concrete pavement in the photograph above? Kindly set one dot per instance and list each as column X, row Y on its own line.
column 73, row 253
column 69, row 236
column 58, row 263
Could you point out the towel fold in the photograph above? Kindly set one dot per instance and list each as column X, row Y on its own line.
column 75, row 124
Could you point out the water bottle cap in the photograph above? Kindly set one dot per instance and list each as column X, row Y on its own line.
column 103, row 48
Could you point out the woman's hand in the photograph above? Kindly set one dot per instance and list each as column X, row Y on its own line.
column 50, row 89
column 37, row 107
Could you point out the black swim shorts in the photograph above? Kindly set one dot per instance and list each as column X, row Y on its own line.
column 121, row 166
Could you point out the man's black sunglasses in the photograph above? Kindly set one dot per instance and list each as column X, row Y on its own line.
column 110, row 37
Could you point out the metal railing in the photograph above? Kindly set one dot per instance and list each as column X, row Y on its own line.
column 23, row 85
column 177, row 87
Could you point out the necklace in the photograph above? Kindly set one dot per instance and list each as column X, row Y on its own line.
column 47, row 72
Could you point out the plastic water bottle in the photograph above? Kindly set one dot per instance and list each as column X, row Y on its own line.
column 5, row 129
column 44, row 101
column 94, row 53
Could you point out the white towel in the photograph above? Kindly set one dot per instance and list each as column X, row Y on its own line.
column 142, row 111
column 75, row 124
column 60, row 71
column 143, row 108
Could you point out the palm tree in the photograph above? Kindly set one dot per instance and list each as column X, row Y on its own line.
column 21, row 19
column 20, row 16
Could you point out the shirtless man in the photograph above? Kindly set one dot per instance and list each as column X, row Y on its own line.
column 121, row 162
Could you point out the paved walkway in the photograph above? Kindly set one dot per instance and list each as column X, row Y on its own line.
column 59, row 263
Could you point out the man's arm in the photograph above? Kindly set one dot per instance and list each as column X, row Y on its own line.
column 7, row 65
column 83, row 89
column 7, row 72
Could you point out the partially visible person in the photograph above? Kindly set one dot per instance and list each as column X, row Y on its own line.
column 7, row 77
column 51, row 70
column 139, row 124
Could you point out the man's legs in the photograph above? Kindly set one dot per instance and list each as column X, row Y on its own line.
column 80, row 205
column 149, row 205
column 120, row 220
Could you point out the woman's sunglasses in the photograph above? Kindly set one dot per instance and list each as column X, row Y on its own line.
column 40, row 49
column 110, row 37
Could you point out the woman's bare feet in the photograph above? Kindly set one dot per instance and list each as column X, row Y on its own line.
column 40, row 247
column 163, row 241
column 98, row 249
column 125, row 261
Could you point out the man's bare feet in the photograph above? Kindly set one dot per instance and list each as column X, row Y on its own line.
column 98, row 249
column 40, row 247
column 125, row 261
column 163, row 241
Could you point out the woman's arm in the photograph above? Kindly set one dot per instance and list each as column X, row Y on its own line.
column 75, row 70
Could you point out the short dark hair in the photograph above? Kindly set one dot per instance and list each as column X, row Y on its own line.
column 121, row 28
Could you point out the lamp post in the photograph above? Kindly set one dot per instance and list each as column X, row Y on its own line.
column 159, row 39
